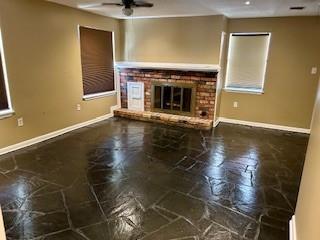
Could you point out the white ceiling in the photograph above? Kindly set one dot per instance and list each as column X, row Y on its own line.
column 229, row 8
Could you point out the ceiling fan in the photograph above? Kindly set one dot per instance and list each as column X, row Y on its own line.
column 127, row 5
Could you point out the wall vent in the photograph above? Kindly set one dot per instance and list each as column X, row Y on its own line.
column 297, row 8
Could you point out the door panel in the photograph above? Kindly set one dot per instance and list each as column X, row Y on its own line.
column 135, row 96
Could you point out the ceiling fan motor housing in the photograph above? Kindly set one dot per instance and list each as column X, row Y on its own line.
column 128, row 3
column 127, row 11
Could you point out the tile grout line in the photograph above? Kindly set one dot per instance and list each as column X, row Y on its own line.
column 66, row 209
column 97, row 200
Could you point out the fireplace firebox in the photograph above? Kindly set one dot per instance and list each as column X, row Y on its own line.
column 175, row 98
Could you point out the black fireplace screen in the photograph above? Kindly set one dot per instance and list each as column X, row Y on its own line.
column 173, row 98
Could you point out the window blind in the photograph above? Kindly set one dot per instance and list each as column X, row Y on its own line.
column 4, row 105
column 247, row 61
column 97, row 61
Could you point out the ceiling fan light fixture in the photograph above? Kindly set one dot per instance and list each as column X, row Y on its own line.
column 127, row 11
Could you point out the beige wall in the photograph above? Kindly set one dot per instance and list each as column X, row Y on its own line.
column 44, row 69
column 308, row 209
column 289, row 87
column 176, row 40
column 222, row 63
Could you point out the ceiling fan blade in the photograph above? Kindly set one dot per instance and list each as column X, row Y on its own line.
column 142, row 4
column 97, row 5
column 92, row 5
column 112, row 4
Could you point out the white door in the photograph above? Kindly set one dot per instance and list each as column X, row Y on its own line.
column 135, row 96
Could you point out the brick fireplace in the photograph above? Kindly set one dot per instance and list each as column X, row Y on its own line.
column 202, row 83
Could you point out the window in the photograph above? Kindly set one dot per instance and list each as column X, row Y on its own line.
column 5, row 103
column 247, row 62
column 97, row 62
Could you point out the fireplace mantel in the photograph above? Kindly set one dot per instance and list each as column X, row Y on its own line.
column 169, row 66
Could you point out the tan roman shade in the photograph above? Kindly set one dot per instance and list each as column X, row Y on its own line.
column 247, row 61
column 97, row 61
column 3, row 95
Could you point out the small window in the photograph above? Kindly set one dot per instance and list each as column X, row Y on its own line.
column 247, row 62
column 97, row 60
column 5, row 102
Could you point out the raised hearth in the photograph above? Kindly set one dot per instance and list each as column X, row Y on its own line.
column 168, row 119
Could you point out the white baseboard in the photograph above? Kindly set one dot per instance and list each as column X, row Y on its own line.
column 264, row 125
column 292, row 229
column 113, row 108
column 216, row 123
column 2, row 231
column 57, row 133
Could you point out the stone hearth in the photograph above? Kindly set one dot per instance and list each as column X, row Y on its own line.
column 169, row 119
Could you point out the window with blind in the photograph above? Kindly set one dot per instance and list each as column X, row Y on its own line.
column 97, row 59
column 247, row 62
column 5, row 104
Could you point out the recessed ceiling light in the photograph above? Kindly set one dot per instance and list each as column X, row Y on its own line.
column 247, row 2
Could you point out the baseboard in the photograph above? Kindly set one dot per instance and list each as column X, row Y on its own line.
column 216, row 123
column 264, row 125
column 113, row 108
column 2, row 231
column 57, row 133
column 292, row 229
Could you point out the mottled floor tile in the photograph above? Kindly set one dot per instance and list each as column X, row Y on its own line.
column 270, row 233
column 232, row 220
column 179, row 229
column 33, row 225
column 97, row 231
column 45, row 203
column 85, row 214
column 66, row 235
column 183, row 205
column 152, row 221
column 79, row 193
column 129, row 180
column 216, row 232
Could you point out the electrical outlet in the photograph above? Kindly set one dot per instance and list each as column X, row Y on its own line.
column 314, row 70
column 20, row 122
column 235, row 104
column 78, row 107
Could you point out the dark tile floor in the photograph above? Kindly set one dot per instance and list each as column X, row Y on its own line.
column 124, row 179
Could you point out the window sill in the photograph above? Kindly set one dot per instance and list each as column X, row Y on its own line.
column 98, row 95
column 6, row 114
column 244, row 90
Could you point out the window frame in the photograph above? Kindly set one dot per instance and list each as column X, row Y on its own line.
column 4, row 113
column 244, row 89
column 88, row 97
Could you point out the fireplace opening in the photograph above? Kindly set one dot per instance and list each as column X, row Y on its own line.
column 173, row 98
